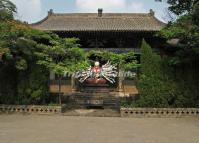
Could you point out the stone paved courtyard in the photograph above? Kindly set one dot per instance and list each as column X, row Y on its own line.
column 64, row 129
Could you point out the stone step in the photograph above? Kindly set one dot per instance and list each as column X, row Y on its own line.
column 94, row 98
column 84, row 100
column 95, row 89
column 91, row 94
column 99, row 91
column 94, row 101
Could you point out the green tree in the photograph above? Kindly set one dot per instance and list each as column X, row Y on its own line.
column 184, row 58
column 185, row 29
column 22, row 80
column 180, row 7
column 155, row 87
column 17, row 65
column 7, row 10
column 64, row 56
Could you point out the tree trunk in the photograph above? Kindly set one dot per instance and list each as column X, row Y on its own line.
column 60, row 90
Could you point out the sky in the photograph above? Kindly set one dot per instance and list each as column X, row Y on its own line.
column 35, row 10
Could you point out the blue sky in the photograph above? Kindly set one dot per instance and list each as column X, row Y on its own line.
column 35, row 10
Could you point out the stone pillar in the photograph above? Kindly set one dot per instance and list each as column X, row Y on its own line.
column 120, row 81
column 73, row 86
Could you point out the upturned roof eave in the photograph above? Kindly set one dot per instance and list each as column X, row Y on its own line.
column 42, row 24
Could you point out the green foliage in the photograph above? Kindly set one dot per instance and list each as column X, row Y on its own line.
column 7, row 10
column 63, row 56
column 19, row 47
column 21, row 64
column 186, row 30
column 180, row 7
column 163, row 86
column 178, row 29
column 195, row 16
column 155, row 87
column 126, row 61
column 8, row 84
column 184, row 57
column 22, row 80
column 33, row 86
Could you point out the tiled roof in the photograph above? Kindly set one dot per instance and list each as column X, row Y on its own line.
column 92, row 22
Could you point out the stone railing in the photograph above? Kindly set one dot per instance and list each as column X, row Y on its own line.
column 30, row 109
column 159, row 112
column 125, row 112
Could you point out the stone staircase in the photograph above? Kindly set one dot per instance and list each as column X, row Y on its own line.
column 92, row 102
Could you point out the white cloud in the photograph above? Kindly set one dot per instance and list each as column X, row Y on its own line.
column 28, row 10
column 109, row 6
column 136, row 7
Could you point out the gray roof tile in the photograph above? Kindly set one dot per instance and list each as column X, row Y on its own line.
column 91, row 22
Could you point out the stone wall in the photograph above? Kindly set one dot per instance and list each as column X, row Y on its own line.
column 159, row 112
column 30, row 109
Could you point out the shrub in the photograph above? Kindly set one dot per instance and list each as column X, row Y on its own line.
column 155, row 87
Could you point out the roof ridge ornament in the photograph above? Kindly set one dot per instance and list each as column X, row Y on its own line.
column 100, row 12
column 151, row 12
column 50, row 12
